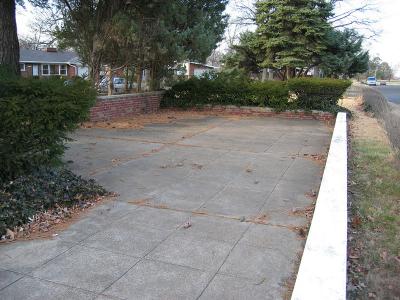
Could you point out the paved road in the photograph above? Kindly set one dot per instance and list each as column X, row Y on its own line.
column 237, row 181
column 391, row 92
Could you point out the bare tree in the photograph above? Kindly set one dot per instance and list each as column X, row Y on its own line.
column 215, row 58
column 358, row 17
column 247, row 16
column 42, row 27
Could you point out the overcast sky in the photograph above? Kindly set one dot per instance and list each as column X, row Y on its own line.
column 387, row 14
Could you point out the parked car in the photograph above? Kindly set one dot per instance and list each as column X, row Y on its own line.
column 371, row 80
column 382, row 82
column 118, row 84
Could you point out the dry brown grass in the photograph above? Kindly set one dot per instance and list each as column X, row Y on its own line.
column 374, row 194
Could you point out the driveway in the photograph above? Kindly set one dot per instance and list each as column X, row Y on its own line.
column 208, row 208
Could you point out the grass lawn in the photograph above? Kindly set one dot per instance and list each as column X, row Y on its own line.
column 374, row 197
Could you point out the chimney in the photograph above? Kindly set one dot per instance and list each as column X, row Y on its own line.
column 50, row 49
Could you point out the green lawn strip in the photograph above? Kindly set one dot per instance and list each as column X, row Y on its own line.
column 375, row 190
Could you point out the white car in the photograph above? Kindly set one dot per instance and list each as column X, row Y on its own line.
column 118, row 84
column 371, row 80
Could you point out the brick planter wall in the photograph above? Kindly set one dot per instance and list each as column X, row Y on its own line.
column 268, row 112
column 126, row 105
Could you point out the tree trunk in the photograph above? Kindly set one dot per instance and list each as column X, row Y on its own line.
column 110, row 86
column 9, row 46
column 94, row 69
column 288, row 73
column 139, row 78
column 270, row 74
column 126, row 79
column 264, row 74
column 316, row 72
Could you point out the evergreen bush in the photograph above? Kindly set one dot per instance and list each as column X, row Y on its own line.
column 224, row 89
column 318, row 93
column 35, row 118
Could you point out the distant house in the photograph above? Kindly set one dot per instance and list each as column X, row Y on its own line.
column 51, row 62
column 197, row 69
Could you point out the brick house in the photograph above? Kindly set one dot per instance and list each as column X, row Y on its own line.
column 50, row 62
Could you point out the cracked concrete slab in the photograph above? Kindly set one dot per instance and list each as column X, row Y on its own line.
column 205, row 210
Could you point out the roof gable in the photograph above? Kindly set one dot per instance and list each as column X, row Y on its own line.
column 39, row 56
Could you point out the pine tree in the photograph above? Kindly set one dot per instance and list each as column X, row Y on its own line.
column 291, row 33
column 344, row 55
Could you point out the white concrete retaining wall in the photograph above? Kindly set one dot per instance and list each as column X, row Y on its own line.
column 322, row 272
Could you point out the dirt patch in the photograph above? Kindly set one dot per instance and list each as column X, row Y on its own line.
column 164, row 116
column 364, row 125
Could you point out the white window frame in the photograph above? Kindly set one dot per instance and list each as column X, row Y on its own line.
column 60, row 68
column 23, row 66
column 48, row 69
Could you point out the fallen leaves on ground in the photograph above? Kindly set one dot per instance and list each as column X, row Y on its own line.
column 47, row 223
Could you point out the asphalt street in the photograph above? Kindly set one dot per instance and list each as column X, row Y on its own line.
column 391, row 92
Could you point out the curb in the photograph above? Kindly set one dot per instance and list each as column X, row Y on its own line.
column 322, row 272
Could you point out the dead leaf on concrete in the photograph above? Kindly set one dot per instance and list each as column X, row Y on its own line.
column 302, row 233
column 197, row 166
column 303, row 211
column 139, row 201
column 187, row 224
column 260, row 219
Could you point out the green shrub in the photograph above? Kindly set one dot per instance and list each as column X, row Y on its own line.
column 35, row 118
column 318, row 94
column 215, row 89
column 45, row 188
column 231, row 89
column 273, row 94
column 222, row 89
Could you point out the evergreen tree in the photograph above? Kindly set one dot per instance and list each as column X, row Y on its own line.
column 148, row 34
column 245, row 55
column 291, row 33
column 344, row 55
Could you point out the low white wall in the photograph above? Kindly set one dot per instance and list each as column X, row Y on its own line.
column 322, row 272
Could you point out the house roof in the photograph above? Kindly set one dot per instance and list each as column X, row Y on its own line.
column 203, row 65
column 39, row 56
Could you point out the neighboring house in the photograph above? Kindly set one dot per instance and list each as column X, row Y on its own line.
column 50, row 62
column 197, row 69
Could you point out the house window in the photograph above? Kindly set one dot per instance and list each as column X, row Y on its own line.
column 63, row 69
column 45, row 70
column 54, row 69
column 22, row 67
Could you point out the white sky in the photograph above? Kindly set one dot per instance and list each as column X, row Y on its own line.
column 387, row 15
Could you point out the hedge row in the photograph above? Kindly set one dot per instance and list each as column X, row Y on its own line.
column 299, row 93
column 35, row 118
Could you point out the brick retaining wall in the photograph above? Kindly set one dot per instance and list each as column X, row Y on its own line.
column 268, row 112
column 126, row 105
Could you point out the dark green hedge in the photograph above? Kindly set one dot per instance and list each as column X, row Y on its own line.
column 35, row 118
column 318, row 94
column 301, row 93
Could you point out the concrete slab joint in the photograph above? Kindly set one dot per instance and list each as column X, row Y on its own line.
column 322, row 272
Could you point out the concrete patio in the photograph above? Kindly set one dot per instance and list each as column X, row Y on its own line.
column 205, row 211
